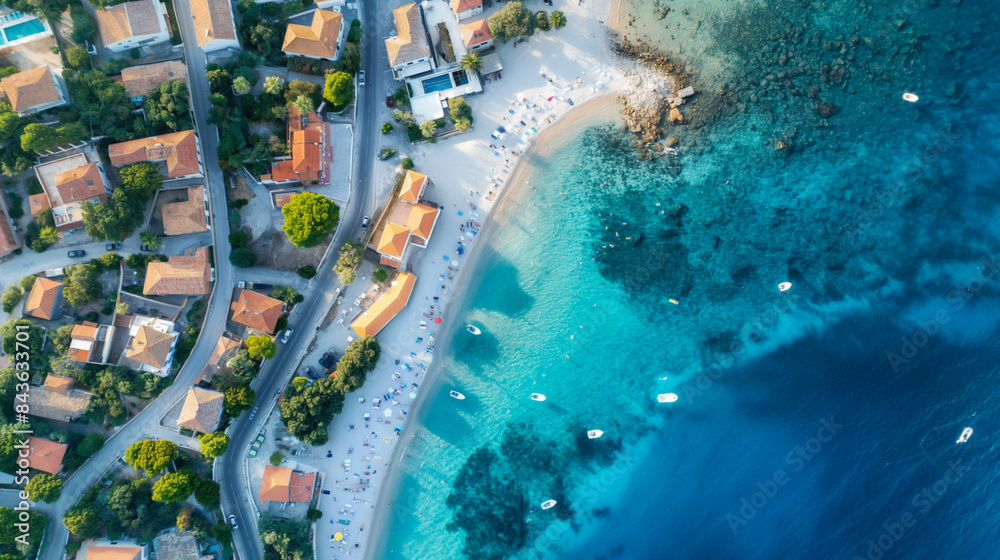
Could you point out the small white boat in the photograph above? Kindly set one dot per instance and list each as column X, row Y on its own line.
column 456, row 395
column 966, row 434
column 472, row 329
column 666, row 397
column 537, row 397
column 785, row 286
column 548, row 504
column 594, row 434
column 911, row 97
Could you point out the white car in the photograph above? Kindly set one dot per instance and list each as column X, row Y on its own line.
column 361, row 78
column 287, row 335
column 233, row 523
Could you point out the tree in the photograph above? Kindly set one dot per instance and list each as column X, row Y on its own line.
column 276, row 458
column 463, row 125
column 299, row 383
column 39, row 137
column 84, row 26
column 10, row 298
column 239, row 239
column 261, row 346
column 184, row 518
column 510, row 22
column 27, row 282
column 207, row 493
column 407, row 163
column 350, row 258
column 82, row 522
column 273, row 85
column 339, row 89
column 142, row 178
column 167, row 108
column 81, row 284
column 49, row 235
column 61, row 337
column 213, row 445
column 241, row 85
column 238, row 399
column 90, row 445
column 308, row 218
column 359, row 359
column 174, row 487
column 558, row 20
column 287, row 294
column 404, row 118
column 380, row 275
column 428, row 128
column 386, row 128
column 77, row 57
column 153, row 241
column 298, row 88
column 116, row 218
column 123, row 308
column 303, row 104
column 44, row 487
column 307, row 271
column 459, row 110
column 243, row 257
column 542, row 20
column 151, row 455
column 222, row 532
column 10, row 124
column 307, row 413
column 9, row 332
column 471, row 61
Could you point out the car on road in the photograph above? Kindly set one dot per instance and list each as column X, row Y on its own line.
column 232, row 522
column 361, row 78
column 77, row 253
column 113, row 246
column 364, row 222
column 287, row 335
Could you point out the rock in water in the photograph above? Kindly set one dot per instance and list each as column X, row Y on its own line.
column 675, row 116
column 826, row 109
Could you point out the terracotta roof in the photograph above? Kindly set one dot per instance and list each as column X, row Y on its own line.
column 178, row 149
column 410, row 42
column 305, row 140
column 213, row 19
column 62, row 407
column 413, row 186
column 46, row 455
column 58, row 384
column 189, row 274
column 85, row 331
column 386, row 307
column 225, row 349
column 202, row 410
column 282, row 199
column 82, row 183
column 256, row 311
column 282, row 484
column 151, row 347
column 113, row 553
column 459, row 6
column 140, row 80
column 38, row 202
column 131, row 19
column 421, row 220
column 318, row 39
column 44, row 299
column 187, row 216
column 393, row 240
column 476, row 32
column 31, row 88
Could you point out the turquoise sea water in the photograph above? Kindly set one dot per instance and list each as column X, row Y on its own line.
column 820, row 422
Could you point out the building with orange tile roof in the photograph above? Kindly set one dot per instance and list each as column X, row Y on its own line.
column 45, row 455
column 318, row 40
column 8, row 241
column 376, row 317
column 34, row 90
column 133, row 24
column 257, row 311
column 421, row 223
column 202, row 410
column 66, row 184
column 409, row 222
column 218, row 363
column 58, row 384
column 45, row 299
column 409, row 51
column 151, row 345
column 214, row 26
column 111, row 550
column 58, row 400
column 392, row 244
column 306, row 141
column 190, row 274
column 466, row 8
column 90, row 343
column 178, row 151
column 281, row 199
column 476, row 35
column 413, row 187
column 282, row 484
column 188, row 216
column 142, row 79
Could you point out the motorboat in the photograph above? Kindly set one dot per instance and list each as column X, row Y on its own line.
column 537, row 397
column 456, row 395
column 666, row 397
column 785, row 286
column 548, row 504
column 594, row 434
column 473, row 329
column 911, row 97
column 966, row 434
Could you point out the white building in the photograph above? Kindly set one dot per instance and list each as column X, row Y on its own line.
column 409, row 51
column 214, row 26
column 133, row 24
column 464, row 9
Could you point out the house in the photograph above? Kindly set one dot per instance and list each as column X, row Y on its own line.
column 133, row 24
column 413, row 187
column 282, row 484
column 177, row 545
column 190, row 274
column 306, row 142
column 140, row 80
column 465, row 9
column 178, row 151
column 8, row 241
column 151, row 345
column 58, row 400
column 189, row 216
column 202, row 410
column 373, row 319
column 282, row 198
column 318, row 40
column 91, row 343
column 45, row 299
column 66, row 184
column 409, row 51
column 218, row 363
column 214, row 25
column 476, row 35
column 257, row 311
column 416, row 230
column 111, row 550
column 46, row 456
column 34, row 90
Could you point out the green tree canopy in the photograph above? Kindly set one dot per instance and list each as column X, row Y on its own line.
column 237, row 399
column 359, row 359
column 82, row 522
column 558, row 20
column 151, row 455
column 512, row 21
column 77, row 57
column 11, row 297
column 297, row 88
column 142, row 178
column 213, row 445
column 307, row 413
column 27, row 282
column 242, row 257
column 208, row 494
column 339, row 89
column 90, row 445
column 174, row 487
column 38, row 137
column 33, row 345
column 167, row 108
column 471, row 61
column 61, row 337
column 44, row 487
column 349, row 259
column 287, row 294
column 84, row 26
column 81, row 284
column 308, row 218
column 261, row 346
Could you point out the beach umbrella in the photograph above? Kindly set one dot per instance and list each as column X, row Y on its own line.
column 437, row 319
column 388, row 412
column 413, row 395
column 338, row 536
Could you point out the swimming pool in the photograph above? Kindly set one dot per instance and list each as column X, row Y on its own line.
column 23, row 29
column 437, row 83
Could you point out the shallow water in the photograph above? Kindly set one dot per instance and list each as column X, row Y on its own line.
column 881, row 214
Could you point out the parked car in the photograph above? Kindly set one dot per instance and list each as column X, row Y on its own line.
column 287, row 335
column 77, row 253
column 232, row 522
column 364, row 222
column 390, row 102
column 361, row 78
column 311, row 373
column 146, row 247
column 253, row 452
column 113, row 246
column 327, row 492
column 325, row 362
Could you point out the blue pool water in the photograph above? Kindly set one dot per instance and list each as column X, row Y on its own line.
column 23, row 29
column 815, row 423
column 437, row 83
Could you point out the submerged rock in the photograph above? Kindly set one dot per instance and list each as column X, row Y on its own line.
column 826, row 109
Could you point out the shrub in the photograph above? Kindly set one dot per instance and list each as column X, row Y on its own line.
column 277, row 457
column 386, row 128
column 542, row 20
column 407, row 163
column 307, row 271
column 239, row 239
column 380, row 275
column 135, row 53
column 77, row 57
column 242, row 258
column 34, row 186
column 239, row 203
